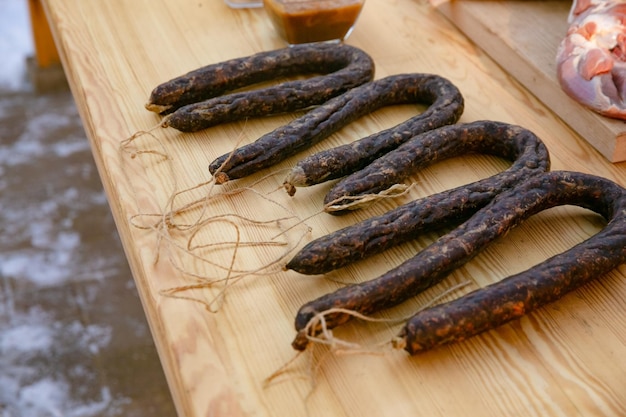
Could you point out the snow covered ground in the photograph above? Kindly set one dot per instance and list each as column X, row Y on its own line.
column 73, row 338
column 15, row 43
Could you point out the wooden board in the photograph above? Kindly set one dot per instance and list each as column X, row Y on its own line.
column 564, row 360
column 523, row 37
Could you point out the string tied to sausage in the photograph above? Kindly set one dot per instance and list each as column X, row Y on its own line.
column 317, row 330
column 204, row 241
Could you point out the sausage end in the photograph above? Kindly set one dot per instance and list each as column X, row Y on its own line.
column 301, row 340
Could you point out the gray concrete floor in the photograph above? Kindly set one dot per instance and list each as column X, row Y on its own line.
column 74, row 341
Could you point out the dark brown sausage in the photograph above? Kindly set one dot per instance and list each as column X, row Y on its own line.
column 446, row 107
column 522, row 293
column 486, row 137
column 331, row 116
column 377, row 234
column 195, row 102
column 570, row 269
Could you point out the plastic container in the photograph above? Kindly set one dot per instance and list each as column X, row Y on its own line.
column 305, row 21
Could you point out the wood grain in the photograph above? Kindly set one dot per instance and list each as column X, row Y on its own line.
column 523, row 37
column 564, row 360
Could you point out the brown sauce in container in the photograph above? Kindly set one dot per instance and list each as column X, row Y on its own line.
column 313, row 21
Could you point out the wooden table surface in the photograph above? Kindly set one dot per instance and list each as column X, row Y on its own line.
column 207, row 259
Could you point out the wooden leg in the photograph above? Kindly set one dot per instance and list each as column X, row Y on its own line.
column 46, row 53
